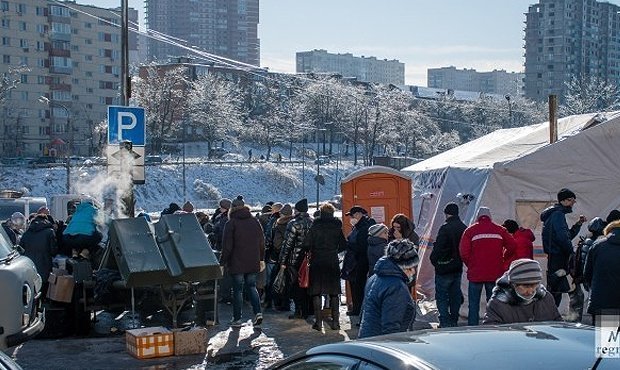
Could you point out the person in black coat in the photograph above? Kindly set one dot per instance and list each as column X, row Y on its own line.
column 601, row 273
column 39, row 243
column 357, row 243
column 446, row 259
column 324, row 241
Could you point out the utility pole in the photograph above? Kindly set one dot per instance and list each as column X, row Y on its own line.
column 128, row 198
column 553, row 119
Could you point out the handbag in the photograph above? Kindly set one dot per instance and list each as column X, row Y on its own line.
column 303, row 277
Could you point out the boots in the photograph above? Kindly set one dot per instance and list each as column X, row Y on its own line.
column 318, row 319
column 334, row 304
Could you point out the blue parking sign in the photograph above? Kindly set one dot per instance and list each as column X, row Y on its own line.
column 126, row 123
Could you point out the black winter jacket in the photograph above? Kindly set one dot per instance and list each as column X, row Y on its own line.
column 445, row 255
column 292, row 247
column 39, row 243
column 556, row 236
column 505, row 307
column 602, row 273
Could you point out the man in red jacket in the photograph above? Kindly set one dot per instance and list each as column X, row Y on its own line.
column 482, row 248
column 524, row 238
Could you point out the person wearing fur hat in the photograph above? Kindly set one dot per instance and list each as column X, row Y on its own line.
column 291, row 255
column 602, row 273
column 448, row 265
column 243, row 254
column 519, row 296
column 271, row 257
column 324, row 241
column 482, row 248
column 388, row 306
column 278, row 231
column 556, row 241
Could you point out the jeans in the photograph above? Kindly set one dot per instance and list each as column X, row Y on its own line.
column 474, row 292
column 249, row 280
column 449, row 298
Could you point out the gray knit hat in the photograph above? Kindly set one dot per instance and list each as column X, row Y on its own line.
column 403, row 252
column 225, row 203
column 238, row 201
column 376, row 230
column 524, row 271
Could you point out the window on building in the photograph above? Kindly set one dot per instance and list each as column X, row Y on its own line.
column 23, row 61
column 40, row 11
column 24, row 96
column 20, row 8
column 61, row 28
column 60, row 11
column 4, row 5
column 41, row 28
column 23, row 43
column 5, row 23
column 6, row 41
column 61, row 62
column 6, row 59
column 22, row 26
column 88, row 41
column 88, row 25
column 41, row 80
column 23, row 78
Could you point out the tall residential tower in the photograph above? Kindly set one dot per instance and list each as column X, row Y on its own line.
column 227, row 28
column 566, row 38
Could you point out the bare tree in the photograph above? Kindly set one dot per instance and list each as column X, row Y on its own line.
column 215, row 109
column 589, row 94
column 163, row 93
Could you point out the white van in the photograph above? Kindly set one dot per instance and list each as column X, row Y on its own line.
column 12, row 201
column 21, row 317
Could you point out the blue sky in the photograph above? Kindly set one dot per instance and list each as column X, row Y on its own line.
column 480, row 34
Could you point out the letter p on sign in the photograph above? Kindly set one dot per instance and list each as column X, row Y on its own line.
column 126, row 123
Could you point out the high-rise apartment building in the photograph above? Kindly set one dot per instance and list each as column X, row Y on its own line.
column 69, row 59
column 366, row 69
column 494, row 82
column 227, row 28
column 566, row 38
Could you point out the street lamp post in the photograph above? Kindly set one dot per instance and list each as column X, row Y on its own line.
column 509, row 109
column 50, row 103
column 318, row 165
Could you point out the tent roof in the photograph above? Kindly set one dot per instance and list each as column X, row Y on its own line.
column 507, row 144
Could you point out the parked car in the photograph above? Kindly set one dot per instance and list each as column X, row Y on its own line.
column 44, row 162
column 322, row 159
column 21, row 317
column 550, row 345
column 153, row 159
column 217, row 152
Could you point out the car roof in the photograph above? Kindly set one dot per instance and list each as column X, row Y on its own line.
column 519, row 346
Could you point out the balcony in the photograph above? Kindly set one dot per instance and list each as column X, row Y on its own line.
column 59, row 53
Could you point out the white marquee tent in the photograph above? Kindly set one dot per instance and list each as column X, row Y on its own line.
column 517, row 173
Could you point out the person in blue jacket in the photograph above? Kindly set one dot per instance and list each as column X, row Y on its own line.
column 81, row 234
column 388, row 306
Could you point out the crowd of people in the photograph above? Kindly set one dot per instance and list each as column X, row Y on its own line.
column 380, row 262
column 265, row 257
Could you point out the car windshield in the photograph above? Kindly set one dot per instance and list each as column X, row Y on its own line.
column 5, row 245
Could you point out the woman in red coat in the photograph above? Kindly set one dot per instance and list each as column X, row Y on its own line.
column 525, row 243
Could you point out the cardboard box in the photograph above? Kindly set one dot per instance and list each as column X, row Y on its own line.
column 60, row 286
column 150, row 342
column 190, row 342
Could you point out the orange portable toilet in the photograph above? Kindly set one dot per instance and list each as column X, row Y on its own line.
column 382, row 191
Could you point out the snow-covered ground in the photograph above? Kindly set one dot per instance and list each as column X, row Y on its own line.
column 205, row 183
